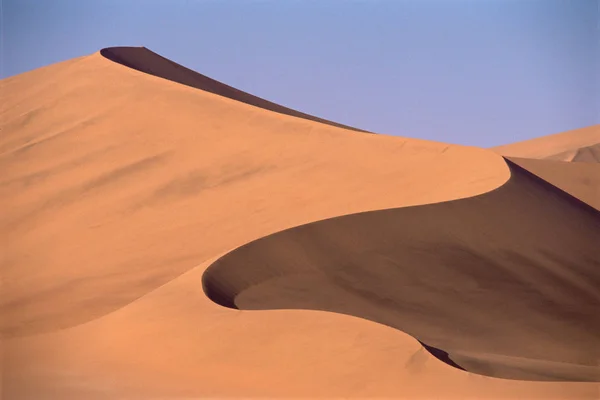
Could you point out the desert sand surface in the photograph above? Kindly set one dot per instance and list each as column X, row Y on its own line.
column 579, row 145
column 132, row 201
column 579, row 179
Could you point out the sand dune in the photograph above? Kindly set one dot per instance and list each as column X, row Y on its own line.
column 122, row 188
column 580, row 145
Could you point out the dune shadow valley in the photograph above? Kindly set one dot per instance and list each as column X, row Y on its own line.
column 167, row 236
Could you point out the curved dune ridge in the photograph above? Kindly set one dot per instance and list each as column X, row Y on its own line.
column 122, row 187
column 471, row 277
column 144, row 60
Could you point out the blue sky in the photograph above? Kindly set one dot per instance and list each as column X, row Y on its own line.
column 475, row 72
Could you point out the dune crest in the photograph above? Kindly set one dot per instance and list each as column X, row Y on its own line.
column 144, row 60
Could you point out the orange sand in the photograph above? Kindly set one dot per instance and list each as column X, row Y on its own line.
column 121, row 188
column 580, row 145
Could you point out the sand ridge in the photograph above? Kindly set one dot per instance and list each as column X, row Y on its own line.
column 145, row 60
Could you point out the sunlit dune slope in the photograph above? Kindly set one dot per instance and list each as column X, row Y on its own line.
column 120, row 188
column 580, row 145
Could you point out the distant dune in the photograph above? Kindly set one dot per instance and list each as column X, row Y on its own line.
column 141, row 198
column 581, row 145
column 581, row 180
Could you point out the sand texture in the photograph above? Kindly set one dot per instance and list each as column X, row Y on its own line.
column 165, row 236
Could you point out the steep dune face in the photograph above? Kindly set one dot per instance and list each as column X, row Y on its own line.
column 581, row 145
column 121, row 188
column 471, row 276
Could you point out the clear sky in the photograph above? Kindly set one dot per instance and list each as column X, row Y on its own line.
column 476, row 72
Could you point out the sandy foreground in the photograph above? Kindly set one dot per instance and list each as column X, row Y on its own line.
column 174, row 238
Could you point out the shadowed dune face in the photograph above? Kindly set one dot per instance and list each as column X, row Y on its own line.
column 144, row 60
column 501, row 282
column 579, row 179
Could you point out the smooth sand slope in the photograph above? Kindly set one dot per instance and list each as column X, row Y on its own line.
column 580, row 145
column 121, row 188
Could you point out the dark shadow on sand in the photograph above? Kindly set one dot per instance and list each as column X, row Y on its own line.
column 512, row 272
